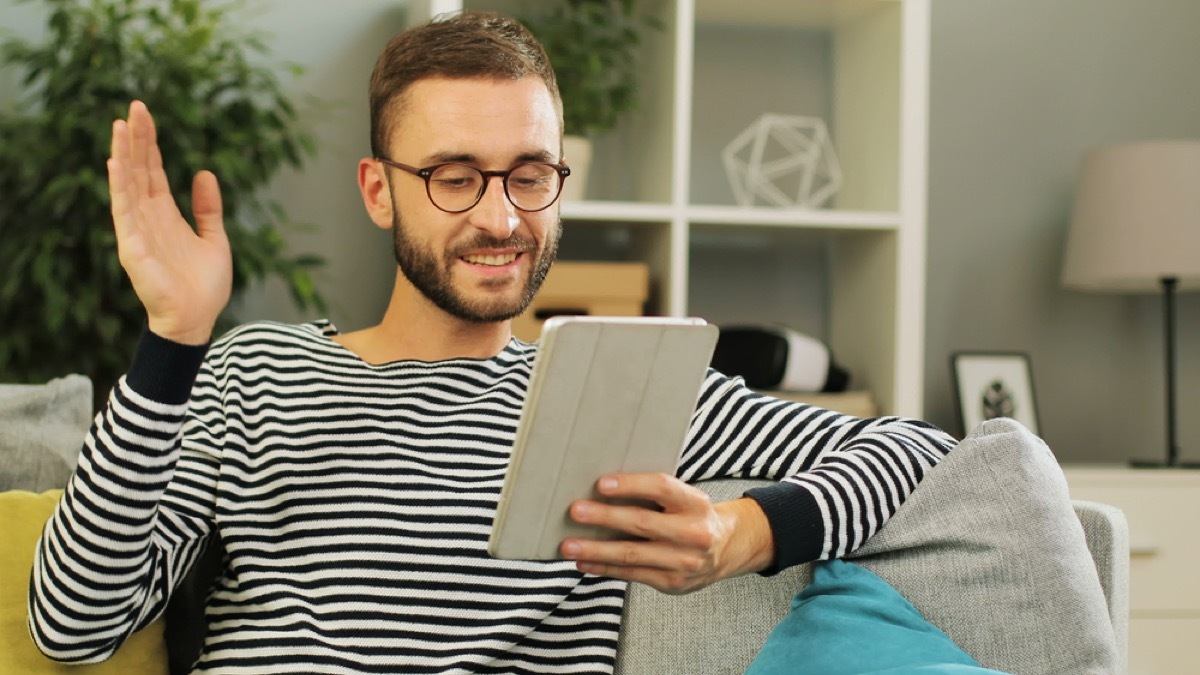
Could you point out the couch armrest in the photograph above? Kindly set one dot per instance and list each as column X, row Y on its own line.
column 1107, row 534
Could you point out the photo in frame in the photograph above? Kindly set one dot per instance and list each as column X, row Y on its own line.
column 993, row 384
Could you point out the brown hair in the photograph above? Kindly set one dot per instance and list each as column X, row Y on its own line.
column 466, row 45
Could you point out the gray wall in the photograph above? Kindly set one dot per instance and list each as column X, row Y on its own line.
column 338, row 43
column 1019, row 89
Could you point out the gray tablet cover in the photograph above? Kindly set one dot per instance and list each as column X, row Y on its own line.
column 607, row 395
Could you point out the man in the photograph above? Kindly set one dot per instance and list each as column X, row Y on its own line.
column 352, row 478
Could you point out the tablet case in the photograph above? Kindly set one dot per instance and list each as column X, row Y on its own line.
column 607, row 395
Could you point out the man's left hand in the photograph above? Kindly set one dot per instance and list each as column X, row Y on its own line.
column 689, row 544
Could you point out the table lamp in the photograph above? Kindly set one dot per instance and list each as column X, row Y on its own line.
column 1135, row 228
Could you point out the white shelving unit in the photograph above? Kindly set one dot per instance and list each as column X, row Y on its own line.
column 852, row 274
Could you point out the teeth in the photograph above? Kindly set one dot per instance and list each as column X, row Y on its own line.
column 491, row 260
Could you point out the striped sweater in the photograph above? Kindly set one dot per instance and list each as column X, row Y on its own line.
column 354, row 502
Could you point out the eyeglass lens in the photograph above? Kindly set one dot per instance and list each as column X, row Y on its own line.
column 530, row 187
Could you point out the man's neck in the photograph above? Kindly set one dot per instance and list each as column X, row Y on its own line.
column 413, row 328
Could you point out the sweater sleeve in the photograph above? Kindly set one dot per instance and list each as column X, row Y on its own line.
column 840, row 477
column 132, row 519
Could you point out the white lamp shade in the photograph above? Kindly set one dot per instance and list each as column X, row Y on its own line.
column 1136, row 218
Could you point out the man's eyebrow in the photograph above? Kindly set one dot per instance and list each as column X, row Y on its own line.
column 468, row 158
column 444, row 157
column 540, row 156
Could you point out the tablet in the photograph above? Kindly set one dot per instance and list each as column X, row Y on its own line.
column 607, row 395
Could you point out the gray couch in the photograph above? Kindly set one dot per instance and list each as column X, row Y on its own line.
column 989, row 548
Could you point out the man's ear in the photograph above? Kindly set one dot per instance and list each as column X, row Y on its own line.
column 376, row 192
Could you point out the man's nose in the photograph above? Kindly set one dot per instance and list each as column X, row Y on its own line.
column 494, row 212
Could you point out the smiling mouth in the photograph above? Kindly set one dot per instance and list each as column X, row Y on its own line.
column 491, row 260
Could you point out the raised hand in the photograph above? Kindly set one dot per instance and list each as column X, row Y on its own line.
column 690, row 544
column 182, row 276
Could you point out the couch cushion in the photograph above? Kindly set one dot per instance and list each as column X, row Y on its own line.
column 41, row 430
column 22, row 517
column 990, row 550
column 850, row 622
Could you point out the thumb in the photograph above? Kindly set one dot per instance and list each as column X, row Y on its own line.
column 206, row 205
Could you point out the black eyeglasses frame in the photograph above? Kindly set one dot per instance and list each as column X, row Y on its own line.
column 426, row 172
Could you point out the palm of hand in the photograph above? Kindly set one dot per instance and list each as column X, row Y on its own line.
column 182, row 277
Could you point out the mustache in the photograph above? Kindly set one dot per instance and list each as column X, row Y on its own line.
column 483, row 240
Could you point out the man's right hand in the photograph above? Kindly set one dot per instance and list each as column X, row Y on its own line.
column 183, row 277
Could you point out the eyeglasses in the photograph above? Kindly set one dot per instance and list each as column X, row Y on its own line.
column 455, row 188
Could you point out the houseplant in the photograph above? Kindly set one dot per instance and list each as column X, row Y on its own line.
column 66, row 302
column 592, row 45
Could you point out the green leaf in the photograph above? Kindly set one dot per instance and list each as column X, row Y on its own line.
column 592, row 45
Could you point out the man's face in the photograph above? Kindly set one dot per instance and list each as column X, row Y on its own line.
column 487, row 263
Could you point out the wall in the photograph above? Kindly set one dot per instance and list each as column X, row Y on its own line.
column 1019, row 89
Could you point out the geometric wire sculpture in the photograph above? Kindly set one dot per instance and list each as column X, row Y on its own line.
column 778, row 152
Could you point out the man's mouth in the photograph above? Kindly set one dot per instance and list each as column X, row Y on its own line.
column 491, row 260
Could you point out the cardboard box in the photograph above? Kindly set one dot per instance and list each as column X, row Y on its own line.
column 586, row 288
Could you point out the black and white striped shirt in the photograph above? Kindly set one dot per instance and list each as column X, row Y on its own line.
column 354, row 502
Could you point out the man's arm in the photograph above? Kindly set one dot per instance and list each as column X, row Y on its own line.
column 841, row 479
column 124, row 534
column 118, row 540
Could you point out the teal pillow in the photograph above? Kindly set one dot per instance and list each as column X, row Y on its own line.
column 849, row 621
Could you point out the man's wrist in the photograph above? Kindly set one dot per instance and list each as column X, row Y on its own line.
column 192, row 337
column 751, row 545
column 164, row 370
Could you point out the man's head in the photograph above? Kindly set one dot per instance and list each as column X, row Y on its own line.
column 455, row 105
column 466, row 45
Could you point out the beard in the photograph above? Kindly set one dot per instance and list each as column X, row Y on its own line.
column 432, row 276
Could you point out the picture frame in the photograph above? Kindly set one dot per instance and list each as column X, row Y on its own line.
column 993, row 384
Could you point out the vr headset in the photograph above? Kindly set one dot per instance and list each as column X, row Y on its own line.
column 778, row 358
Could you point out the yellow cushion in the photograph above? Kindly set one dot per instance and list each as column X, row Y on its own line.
column 22, row 516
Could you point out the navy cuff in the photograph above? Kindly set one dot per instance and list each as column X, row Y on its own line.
column 796, row 524
column 163, row 370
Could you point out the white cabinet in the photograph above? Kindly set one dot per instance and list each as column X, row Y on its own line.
column 1164, row 598
column 851, row 273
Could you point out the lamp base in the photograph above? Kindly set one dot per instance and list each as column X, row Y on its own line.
column 1161, row 464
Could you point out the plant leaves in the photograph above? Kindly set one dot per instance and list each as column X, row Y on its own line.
column 218, row 103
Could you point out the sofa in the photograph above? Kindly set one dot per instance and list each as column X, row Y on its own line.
column 990, row 549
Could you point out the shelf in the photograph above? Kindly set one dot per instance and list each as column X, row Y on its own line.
column 614, row 211
column 851, row 272
column 732, row 216
column 810, row 218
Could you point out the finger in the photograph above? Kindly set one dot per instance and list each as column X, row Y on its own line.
column 140, row 127
column 638, row 521
column 663, row 489
column 119, row 150
column 158, row 176
column 118, row 195
column 591, row 553
column 207, row 206
column 663, row 580
column 121, row 201
column 130, row 246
